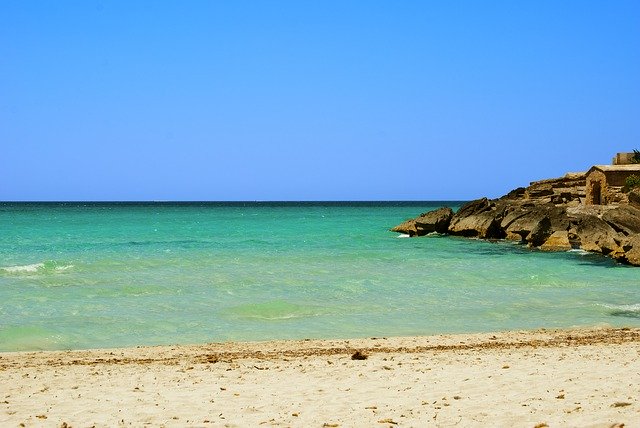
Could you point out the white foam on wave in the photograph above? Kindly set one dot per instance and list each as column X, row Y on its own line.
column 578, row 251
column 403, row 235
column 36, row 267
column 23, row 268
column 630, row 308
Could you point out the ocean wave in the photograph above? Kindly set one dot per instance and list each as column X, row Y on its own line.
column 42, row 267
column 403, row 235
column 165, row 242
column 276, row 310
column 578, row 251
column 23, row 268
column 629, row 311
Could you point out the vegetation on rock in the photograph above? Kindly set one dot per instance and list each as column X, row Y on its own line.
column 631, row 182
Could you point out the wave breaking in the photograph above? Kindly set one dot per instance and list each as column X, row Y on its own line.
column 42, row 267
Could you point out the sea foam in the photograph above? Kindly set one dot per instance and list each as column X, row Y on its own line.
column 578, row 251
column 48, row 266
column 23, row 268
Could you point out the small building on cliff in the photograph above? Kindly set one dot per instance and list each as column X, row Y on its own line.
column 625, row 158
column 605, row 183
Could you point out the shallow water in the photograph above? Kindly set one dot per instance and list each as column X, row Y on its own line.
column 106, row 275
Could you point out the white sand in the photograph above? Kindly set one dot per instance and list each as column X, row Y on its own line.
column 559, row 378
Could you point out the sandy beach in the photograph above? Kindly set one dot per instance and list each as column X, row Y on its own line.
column 585, row 377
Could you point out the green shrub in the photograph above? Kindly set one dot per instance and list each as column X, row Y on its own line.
column 631, row 181
column 636, row 156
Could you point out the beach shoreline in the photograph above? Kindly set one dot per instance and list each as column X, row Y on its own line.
column 584, row 376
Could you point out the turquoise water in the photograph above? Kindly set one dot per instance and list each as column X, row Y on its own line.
column 104, row 275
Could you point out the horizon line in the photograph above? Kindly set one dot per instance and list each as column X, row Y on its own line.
column 148, row 201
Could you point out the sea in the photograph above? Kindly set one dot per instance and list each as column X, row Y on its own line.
column 104, row 275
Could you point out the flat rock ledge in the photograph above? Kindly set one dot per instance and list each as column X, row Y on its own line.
column 611, row 230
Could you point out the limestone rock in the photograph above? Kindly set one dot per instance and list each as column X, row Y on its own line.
column 540, row 233
column 632, row 255
column 480, row 218
column 518, row 193
column 482, row 225
column 569, row 189
column 594, row 234
column 634, row 197
column 432, row 221
column 474, row 207
column 534, row 223
column 549, row 214
column 407, row 227
column 558, row 241
column 625, row 219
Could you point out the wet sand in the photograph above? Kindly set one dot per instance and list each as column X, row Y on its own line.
column 584, row 377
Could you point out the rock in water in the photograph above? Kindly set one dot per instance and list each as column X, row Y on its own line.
column 625, row 219
column 407, row 227
column 432, row 221
column 595, row 234
column 558, row 241
column 533, row 223
column 480, row 218
column 548, row 215
column 632, row 255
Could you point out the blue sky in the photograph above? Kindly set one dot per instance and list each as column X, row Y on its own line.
column 310, row 100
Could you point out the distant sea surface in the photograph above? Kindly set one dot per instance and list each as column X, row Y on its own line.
column 89, row 275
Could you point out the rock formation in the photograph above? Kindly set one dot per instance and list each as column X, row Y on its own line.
column 547, row 215
column 432, row 221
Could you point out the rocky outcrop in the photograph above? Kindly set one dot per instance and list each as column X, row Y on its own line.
column 624, row 219
column 632, row 255
column 567, row 190
column 479, row 218
column 528, row 222
column 558, row 241
column 595, row 235
column 432, row 221
column 547, row 215
column 633, row 197
column 406, row 227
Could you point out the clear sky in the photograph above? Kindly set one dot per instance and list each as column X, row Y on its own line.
column 310, row 100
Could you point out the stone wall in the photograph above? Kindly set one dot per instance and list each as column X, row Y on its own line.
column 606, row 187
column 622, row 159
column 617, row 178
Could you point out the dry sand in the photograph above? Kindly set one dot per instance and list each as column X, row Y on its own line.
column 560, row 378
